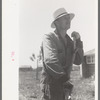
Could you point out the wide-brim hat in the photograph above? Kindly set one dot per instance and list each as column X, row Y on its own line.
column 60, row 13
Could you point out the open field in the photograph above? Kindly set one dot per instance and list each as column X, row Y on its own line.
column 29, row 89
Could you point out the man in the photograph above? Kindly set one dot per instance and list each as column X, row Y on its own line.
column 59, row 53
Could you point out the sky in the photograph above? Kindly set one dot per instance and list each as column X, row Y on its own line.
column 36, row 16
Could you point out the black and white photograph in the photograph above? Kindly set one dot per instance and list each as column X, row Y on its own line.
column 57, row 50
column 53, row 52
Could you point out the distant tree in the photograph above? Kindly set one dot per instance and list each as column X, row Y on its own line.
column 33, row 57
column 39, row 56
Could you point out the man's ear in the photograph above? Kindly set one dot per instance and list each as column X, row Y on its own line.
column 56, row 22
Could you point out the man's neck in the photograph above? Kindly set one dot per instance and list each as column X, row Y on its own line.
column 61, row 32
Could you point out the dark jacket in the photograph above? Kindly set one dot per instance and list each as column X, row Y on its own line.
column 58, row 57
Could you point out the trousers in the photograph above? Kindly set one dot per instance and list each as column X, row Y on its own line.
column 53, row 91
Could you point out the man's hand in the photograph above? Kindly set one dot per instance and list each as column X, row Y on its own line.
column 77, row 41
column 75, row 35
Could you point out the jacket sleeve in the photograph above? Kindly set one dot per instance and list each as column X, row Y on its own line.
column 51, row 60
column 80, row 53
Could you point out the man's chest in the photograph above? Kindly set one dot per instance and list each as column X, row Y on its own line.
column 63, row 44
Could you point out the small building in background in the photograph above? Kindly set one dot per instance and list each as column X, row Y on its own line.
column 88, row 66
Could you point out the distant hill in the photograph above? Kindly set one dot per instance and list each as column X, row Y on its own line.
column 25, row 69
column 30, row 69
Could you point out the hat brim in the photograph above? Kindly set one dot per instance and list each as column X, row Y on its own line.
column 71, row 17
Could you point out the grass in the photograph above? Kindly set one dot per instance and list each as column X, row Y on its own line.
column 83, row 88
column 29, row 87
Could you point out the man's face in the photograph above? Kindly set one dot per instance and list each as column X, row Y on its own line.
column 64, row 22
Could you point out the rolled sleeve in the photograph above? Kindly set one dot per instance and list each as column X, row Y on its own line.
column 51, row 59
column 80, row 53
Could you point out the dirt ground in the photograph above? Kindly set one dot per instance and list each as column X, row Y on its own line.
column 29, row 88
